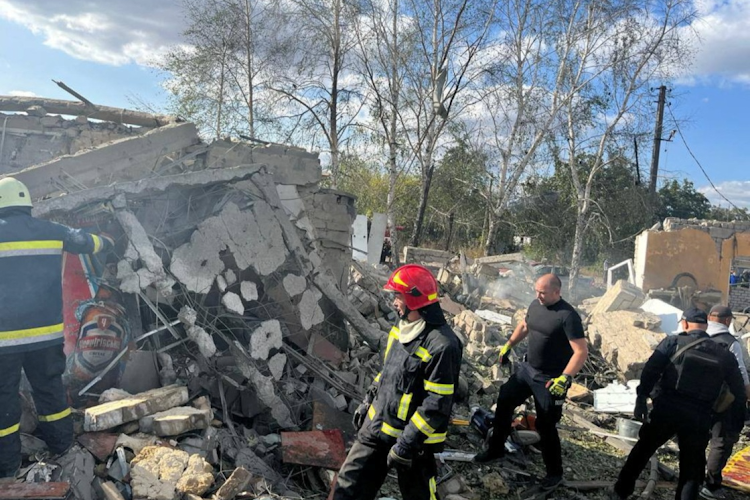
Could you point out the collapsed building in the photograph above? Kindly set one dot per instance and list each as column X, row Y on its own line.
column 227, row 274
column 695, row 253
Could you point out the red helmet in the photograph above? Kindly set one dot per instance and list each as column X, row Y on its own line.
column 419, row 287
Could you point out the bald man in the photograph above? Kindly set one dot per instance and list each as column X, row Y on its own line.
column 556, row 352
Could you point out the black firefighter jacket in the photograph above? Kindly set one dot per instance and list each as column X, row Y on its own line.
column 415, row 390
column 31, row 257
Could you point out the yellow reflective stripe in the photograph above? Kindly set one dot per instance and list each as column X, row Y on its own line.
column 371, row 412
column 31, row 245
column 442, row 389
column 436, row 438
column 432, row 296
column 403, row 407
column 377, row 377
column 55, row 417
column 422, row 424
column 97, row 243
column 10, row 430
column 433, row 489
column 31, row 332
column 423, row 354
column 392, row 337
column 390, row 430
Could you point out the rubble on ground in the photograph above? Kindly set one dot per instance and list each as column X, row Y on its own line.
column 239, row 335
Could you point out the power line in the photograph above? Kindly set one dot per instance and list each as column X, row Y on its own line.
column 679, row 131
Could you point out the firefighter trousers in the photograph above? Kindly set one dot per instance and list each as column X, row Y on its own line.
column 365, row 468
column 44, row 369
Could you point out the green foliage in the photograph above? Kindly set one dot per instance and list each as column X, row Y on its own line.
column 728, row 214
column 682, row 201
column 622, row 209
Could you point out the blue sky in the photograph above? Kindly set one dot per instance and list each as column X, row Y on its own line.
column 105, row 49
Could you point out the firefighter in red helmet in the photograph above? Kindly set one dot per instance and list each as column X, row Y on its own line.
column 404, row 418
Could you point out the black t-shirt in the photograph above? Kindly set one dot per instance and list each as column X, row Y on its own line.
column 550, row 330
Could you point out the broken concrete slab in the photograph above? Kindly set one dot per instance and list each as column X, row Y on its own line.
column 294, row 285
column 176, row 421
column 197, row 478
column 621, row 342
column 288, row 165
column 315, row 448
column 622, row 296
column 253, row 237
column 249, row 291
column 77, row 108
column 310, row 313
column 110, row 415
column 276, row 365
column 121, row 160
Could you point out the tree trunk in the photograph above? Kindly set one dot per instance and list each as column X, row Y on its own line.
column 249, row 48
column 489, row 243
column 392, row 145
column 423, row 196
column 575, row 262
column 333, row 132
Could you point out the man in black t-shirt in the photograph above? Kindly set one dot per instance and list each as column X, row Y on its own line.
column 557, row 351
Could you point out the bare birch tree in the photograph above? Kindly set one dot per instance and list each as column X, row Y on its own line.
column 628, row 45
column 450, row 35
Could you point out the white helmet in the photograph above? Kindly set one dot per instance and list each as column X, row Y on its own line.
column 14, row 193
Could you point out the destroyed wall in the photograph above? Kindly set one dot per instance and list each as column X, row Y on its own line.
column 739, row 298
column 690, row 249
column 26, row 140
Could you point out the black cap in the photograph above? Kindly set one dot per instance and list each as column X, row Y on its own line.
column 695, row 315
column 721, row 311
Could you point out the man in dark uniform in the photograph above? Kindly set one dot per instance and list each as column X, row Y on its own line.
column 557, row 351
column 31, row 320
column 685, row 373
column 727, row 425
column 405, row 417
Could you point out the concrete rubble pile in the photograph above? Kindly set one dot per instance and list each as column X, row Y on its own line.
column 222, row 296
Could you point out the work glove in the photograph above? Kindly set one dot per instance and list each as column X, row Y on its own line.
column 360, row 415
column 505, row 354
column 641, row 409
column 399, row 456
column 559, row 386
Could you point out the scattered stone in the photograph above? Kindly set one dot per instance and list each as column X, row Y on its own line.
column 494, row 484
column 233, row 302
column 109, row 415
column 249, row 291
column 197, row 478
column 276, row 364
column 264, row 338
column 294, row 285
column 235, row 484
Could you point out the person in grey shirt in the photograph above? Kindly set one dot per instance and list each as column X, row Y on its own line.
column 726, row 430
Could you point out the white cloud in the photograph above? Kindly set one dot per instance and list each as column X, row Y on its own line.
column 107, row 32
column 22, row 93
column 738, row 192
column 723, row 42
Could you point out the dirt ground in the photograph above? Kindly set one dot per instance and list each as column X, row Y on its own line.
column 586, row 457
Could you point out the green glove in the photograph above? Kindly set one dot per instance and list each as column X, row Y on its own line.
column 559, row 386
column 505, row 353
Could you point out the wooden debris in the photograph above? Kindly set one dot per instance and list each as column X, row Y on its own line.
column 34, row 491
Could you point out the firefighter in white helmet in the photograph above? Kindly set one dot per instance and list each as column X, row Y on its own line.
column 31, row 320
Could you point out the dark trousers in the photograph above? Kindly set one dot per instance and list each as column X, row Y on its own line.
column 365, row 469
column 692, row 440
column 44, row 369
column 524, row 383
column 723, row 439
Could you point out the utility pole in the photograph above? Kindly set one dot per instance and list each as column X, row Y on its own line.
column 657, row 138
